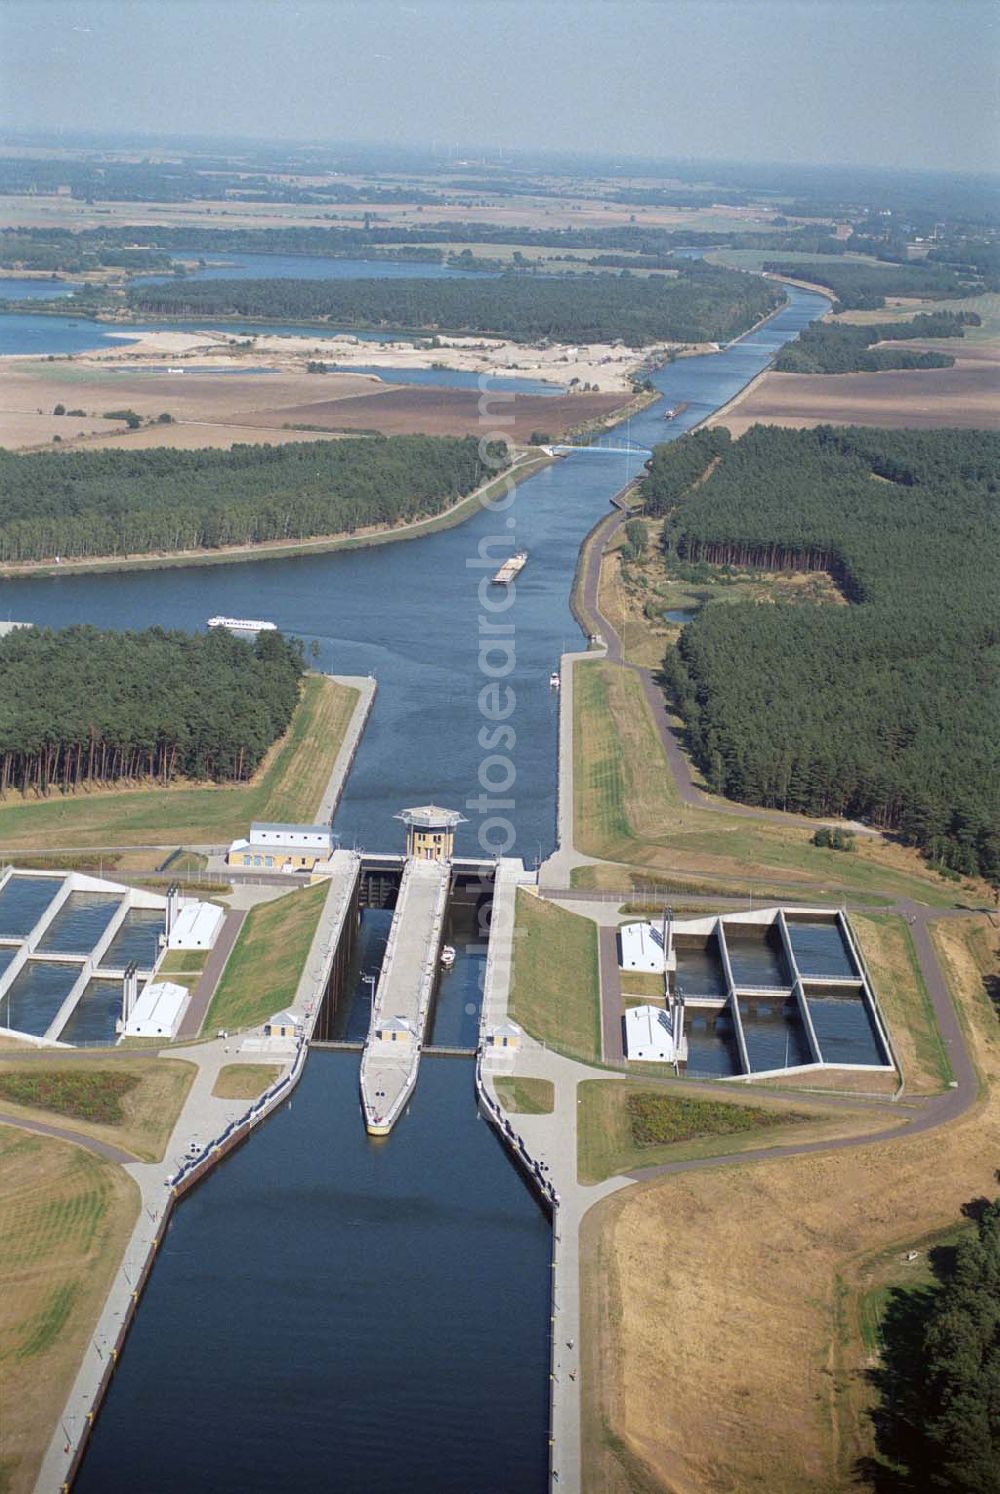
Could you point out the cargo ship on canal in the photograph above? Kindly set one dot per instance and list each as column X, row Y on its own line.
column 511, row 569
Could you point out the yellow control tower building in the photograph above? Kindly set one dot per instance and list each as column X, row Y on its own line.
column 430, row 831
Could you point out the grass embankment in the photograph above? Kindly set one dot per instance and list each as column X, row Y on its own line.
column 244, row 1081
column 288, row 786
column 65, row 1217
column 627, row 810
column 132, row 1104
column 764, row 1283
column 526, row 1096
column 624, row 1125
column 262, row 973
column 887, row 945
column 555, row 987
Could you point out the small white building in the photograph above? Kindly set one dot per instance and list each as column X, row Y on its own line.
column 640, row 947
column 158, row 1011
column 649, row 1034
column 196, row 926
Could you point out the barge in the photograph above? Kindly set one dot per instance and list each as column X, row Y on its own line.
column 510, row 569
column 672, row 411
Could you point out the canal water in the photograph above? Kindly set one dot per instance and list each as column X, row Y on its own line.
column 329, row 1311
column 410, row 614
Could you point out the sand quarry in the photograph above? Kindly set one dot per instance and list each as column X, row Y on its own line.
column 218, row 394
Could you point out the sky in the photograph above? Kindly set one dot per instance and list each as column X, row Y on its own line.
column 902, row 83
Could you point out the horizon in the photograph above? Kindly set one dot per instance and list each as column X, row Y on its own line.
column 521, row 160
column 838, row 83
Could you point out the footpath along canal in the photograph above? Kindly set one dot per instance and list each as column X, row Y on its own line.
column 329, row 1311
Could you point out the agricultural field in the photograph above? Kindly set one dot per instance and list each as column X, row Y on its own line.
column 287, row 787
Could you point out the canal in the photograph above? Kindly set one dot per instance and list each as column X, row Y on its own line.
column 329, row 1311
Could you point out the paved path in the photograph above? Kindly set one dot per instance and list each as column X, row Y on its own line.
column 210, row 976
column 365, row 686
column 89, row 1143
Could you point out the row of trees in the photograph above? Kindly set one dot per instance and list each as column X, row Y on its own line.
column 90, row 503
column 938, row 1421
column 839, row 347
column 859, row 287
column 889, row 709
column 701, row 303
column 81, row 707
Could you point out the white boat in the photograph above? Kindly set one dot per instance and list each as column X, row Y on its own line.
column 242, row 624
column 554, row 681
column 447, row 956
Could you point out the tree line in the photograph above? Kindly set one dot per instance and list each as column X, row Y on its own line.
column 79, row 707
column 838, row 347
column 858, row 287
column 701, row 303
column 888, row 709
column 937, row 1423
column 93, row 503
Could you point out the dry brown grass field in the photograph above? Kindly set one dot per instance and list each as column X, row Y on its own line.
column 65, row 1216
column 732, row 1296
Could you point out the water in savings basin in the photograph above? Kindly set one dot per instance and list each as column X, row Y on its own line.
column 137, row 939
column 6, row 955
column 757, row 958
column 699, row 967
column 711, row 1043
column 22, row 903
column 36, row 996
column 775, row 1034
column 93, row 1018
column 820, row 948
column 79, row 923
column 843, row 1024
